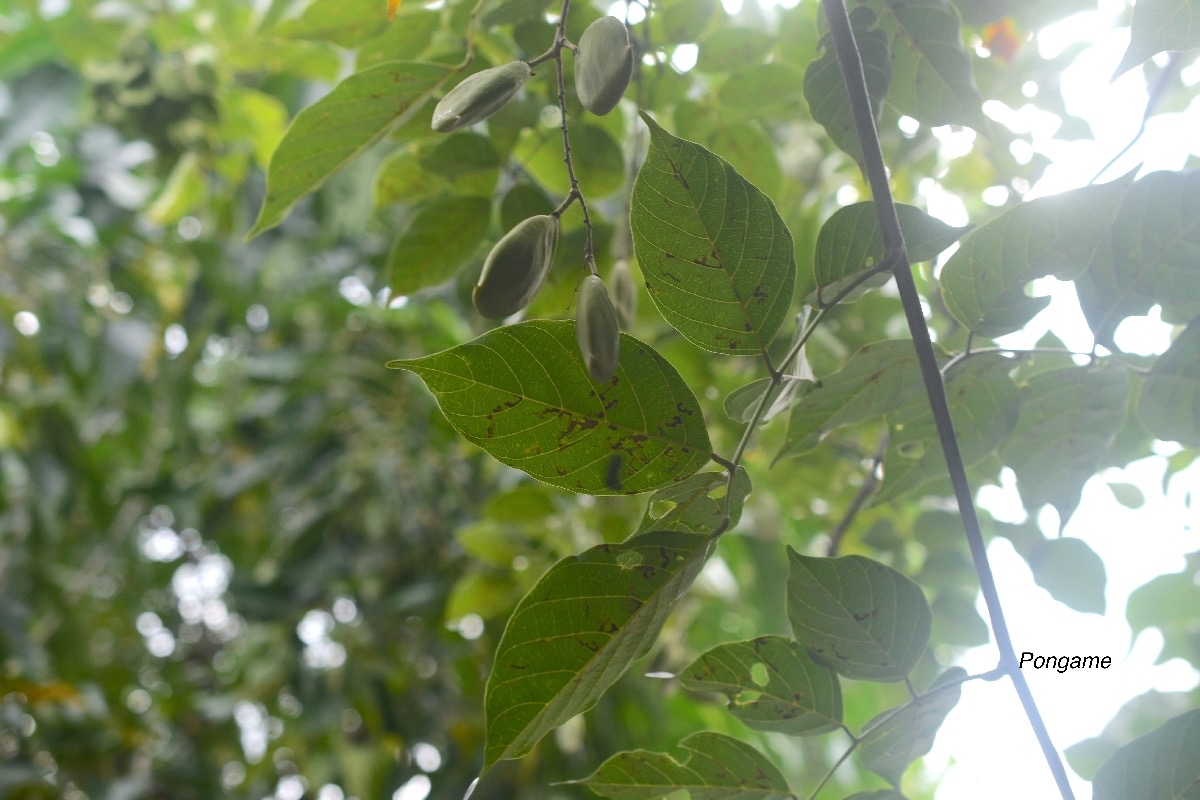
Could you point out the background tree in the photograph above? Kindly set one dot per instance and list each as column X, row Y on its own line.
column 241, row 558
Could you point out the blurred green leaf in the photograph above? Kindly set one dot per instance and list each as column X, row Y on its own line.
column 441, row 236
column 1160, row 25
column 1071, row 572
column 1162, row 763
column 1167, row 407
column 897, row 741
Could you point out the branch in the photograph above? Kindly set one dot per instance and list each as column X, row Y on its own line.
column 870, row 484
column 850, row 63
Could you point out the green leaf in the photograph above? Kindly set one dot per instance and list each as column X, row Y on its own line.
column 1068, row 419
column 862, row 618
column 339, row 126
column 689, row 505
column 1127, row 494
column 407, row 37
column 878, row 794
column 985, row 406
column 716, row 256
column 1168, row 603
column 1160, row 765
column 956, row 622
column 762, row 90
column 877, row 379
column 851, row 242
column 726, row 48
column 522, row 393
column 439, row 239
column 717, row 767
column 1160, row 25
column 772, row 685
column 902, row 738
column 825, row 90
column 344, row 22
column 597, row 158
column 467, row 158
column 1148, row 255
column 1057, row 235
column 1169, row 407
column 931, row 73
column 401, row 178
column 580, row 628
column 1071, row 572
column 750, row 151
column 1136, row 718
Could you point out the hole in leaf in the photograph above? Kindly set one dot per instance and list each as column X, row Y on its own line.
column 660, row 508
column 630, row 559
column 759, row 674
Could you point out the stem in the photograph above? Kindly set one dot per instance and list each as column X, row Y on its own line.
column 860, row 499
column 555, row 53
column 889, row 223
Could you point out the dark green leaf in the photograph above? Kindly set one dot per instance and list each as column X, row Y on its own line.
column 862, row 618
column 1057, row 235
column 579, row 629
column 1170, row 401
column 931, row 73
column 690, row 505
column 877, row 379
column 522, row 393
column 984, row 404
column 1160, row 25
column 1160, row 765
column 717, row 767
column 1068, row 419
column 850, row 242
column 439, row 239
column 716, row 256
column 902, row 738
column 825, row 90
column 1071, row 572
column 1148, row 255
column 772, row 685
column 339, row 126
column 462, row 154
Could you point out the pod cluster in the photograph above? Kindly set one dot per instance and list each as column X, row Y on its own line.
column 518, row 264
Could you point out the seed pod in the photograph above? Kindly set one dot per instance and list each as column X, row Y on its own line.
column 596, row 330
column 516, row 267
column 603, row 65
column 479, row 96
column 624, row 294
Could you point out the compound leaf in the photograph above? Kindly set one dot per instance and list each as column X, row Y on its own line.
column 862, row 618
column 718, row 767
column 523, row 394
column 772, row 684
column 715, row 253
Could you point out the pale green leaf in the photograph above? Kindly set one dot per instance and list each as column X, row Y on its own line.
column 439, row 239
column 877, row 379
column 1071, row 572
column 931, row 77
column 850, row 242
column 798, row 697
column 716, row 256
column 523, row 394
column 344, row 22
column 1160, row 25
column 1169, row 603
column 1136, row 718
column 1128, row 494
column 717, row 767
column 860, row 617
column 1068, row 419
column 985, row 406
column 339, row 126
column 825, row 90
column 905, row 736
column 1169, row 407
column 1162, row 765
column 579, row 629
column 726, row 48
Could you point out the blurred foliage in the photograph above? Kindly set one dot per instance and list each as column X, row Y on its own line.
column 237, row 557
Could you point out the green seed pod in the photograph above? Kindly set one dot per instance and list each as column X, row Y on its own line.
column 603, row 65
column 479, row 96
column 516, row 267
column 596, row 330
column 624, row 293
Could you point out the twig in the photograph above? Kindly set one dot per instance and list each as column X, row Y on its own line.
column 1155, row 95
column 850, row 63
column 864, row 492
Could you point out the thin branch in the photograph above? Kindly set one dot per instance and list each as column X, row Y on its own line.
column 870, row 484
column 876, row 172
column 1155, row 96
